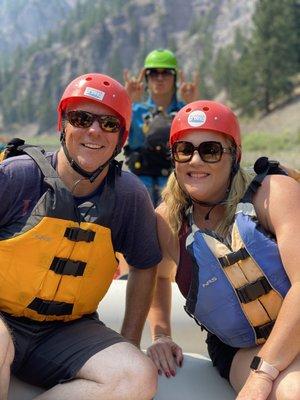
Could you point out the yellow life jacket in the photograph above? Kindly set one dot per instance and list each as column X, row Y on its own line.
column 58, row 266
column 2, row 155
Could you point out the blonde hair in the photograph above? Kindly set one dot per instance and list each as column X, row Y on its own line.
column 177, row 201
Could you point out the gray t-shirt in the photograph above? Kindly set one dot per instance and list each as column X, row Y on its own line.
column 133, row 224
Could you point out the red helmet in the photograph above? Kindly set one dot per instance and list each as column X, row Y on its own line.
column 102, row 89
column 206, row 115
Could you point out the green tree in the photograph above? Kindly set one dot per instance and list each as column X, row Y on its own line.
column 274, row 47
column 271, row 58
column 223, row 73
column 243, row 86
column 115, row 65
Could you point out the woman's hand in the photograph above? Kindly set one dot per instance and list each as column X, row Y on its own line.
column 258, row 386
column 134, row 85
column 189, row 91
column 166, row 355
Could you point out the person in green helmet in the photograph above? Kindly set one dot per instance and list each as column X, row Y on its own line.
column 147, row 152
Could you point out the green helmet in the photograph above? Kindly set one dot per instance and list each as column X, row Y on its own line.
column 161, row 58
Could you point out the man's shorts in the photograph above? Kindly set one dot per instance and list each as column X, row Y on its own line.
column 48, row 353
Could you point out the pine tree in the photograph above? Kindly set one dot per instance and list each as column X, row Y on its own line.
column 273, row 52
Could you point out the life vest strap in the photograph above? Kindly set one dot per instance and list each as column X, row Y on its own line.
column 65, row 266
column 234, row 257
column 263, row 331
column 253, row 290
column 47, row 307
column 79, row 235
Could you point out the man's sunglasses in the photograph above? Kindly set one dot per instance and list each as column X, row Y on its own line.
column 85, row 119
column 153, row 72
column 210, row 152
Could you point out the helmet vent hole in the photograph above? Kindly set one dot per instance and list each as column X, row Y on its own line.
column 106, row 83
column 188, row 109
column 89, row 78
column 205, row 108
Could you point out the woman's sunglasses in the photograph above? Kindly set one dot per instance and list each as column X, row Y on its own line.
column 210, row 152
column 85, row 119
column 153, row 72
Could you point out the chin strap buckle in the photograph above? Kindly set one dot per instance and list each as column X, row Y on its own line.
column 80, row 235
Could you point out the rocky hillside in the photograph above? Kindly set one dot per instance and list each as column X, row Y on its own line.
column 104, row 36
column 24, row 21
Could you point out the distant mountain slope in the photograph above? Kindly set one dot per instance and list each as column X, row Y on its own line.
column 105, row 36
column 24, row 21
column 284, row 120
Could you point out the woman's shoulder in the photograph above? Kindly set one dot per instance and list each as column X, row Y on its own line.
column 278, row 186
column 276, row 200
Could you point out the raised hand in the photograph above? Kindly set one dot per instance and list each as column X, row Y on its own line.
column 166, row 355
column 189, row 91
column 134, row 85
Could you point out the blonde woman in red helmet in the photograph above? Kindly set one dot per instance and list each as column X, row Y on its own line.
column 232, row 238
column 62, row 221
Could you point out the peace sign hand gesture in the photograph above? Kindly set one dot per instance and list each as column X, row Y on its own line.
column 134, row 85
column 189, row 91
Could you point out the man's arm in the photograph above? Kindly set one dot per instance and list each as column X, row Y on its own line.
column 139, row 293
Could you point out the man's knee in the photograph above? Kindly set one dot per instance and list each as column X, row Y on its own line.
column 141, row 378
column 7, row 350
column 122, row 370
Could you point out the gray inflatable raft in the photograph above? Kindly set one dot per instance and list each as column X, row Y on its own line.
column 196, row 380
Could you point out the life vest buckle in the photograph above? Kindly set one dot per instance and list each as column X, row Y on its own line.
column 48, row 307
column 234, row 257
column 263, row 331
column 80, row 235
column 253, row 290
column 65, row 266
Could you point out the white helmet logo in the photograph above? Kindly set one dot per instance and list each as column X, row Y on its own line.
column 196, row 118
column 94, row 93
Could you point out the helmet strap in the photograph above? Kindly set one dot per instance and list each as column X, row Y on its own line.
column 234, row 169
column 91, row 176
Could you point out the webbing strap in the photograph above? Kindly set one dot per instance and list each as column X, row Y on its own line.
column 80, row 235
column 253, row 290
column 65, row 266
column 48, row 307
column 232, row 258
column 38, row 156
column 263, row 331
column 263, row 167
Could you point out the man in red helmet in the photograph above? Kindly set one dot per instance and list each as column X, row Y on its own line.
column 62, row 221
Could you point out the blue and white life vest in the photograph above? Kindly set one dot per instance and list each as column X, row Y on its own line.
column 237, row 289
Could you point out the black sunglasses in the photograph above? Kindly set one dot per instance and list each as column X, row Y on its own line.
column 154, row 72
column 210, row 152
column 85, row 119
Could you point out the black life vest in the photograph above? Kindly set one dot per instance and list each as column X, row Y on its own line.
column 154, row 158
